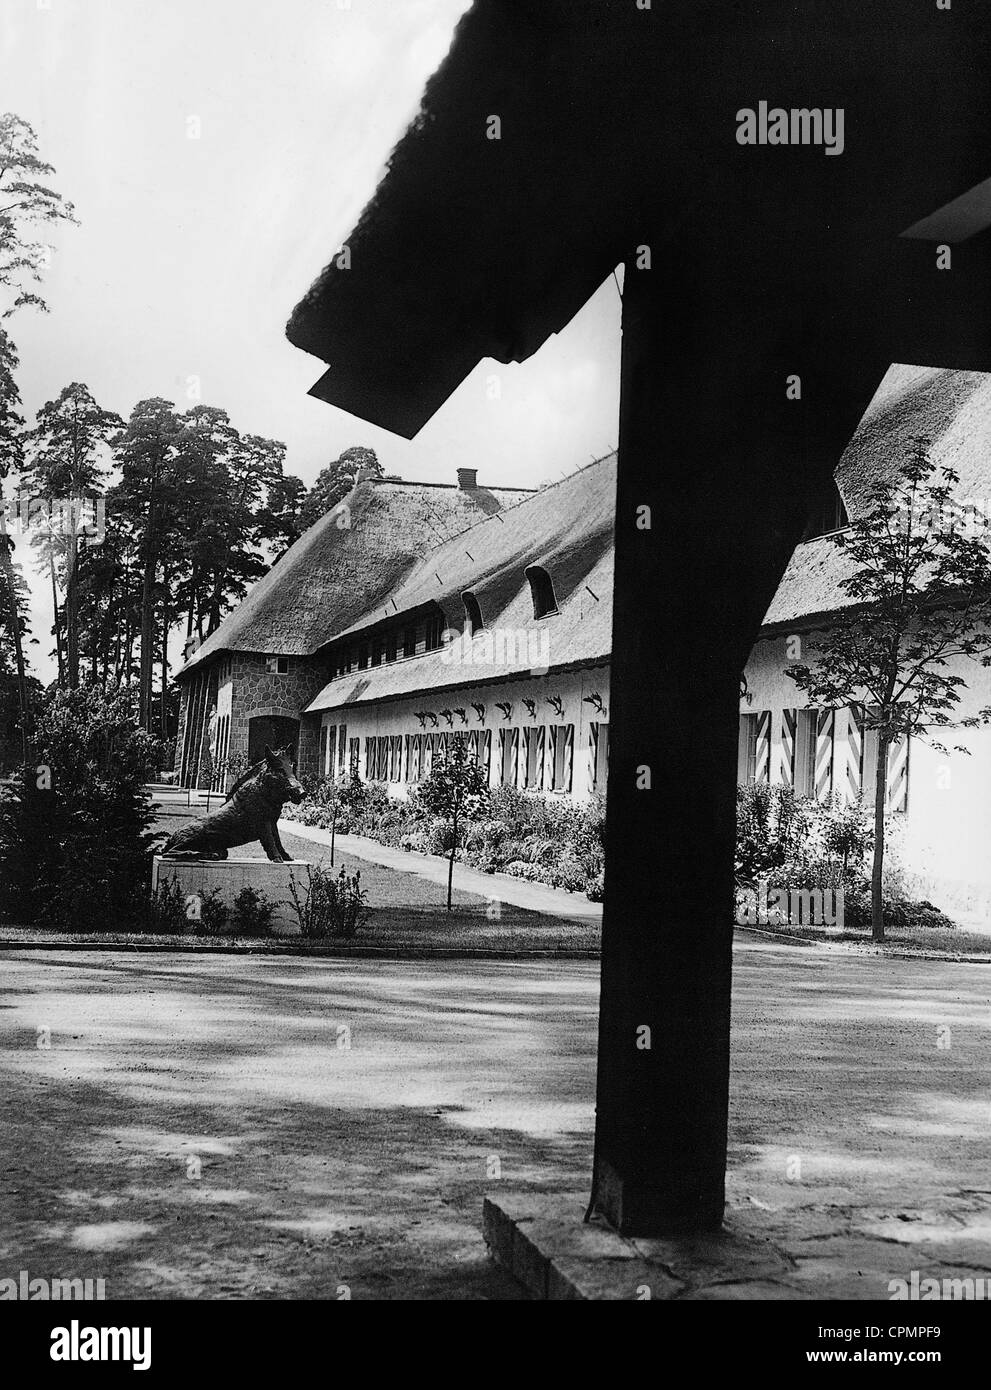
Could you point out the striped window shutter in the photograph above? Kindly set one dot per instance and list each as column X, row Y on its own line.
column 569, row 757
column 342, row 745
column 898, row 775
column 515, row 757
column 855, row 753
column 486, row 753
column 525, row 768
column 541, row 765
column 409, row 758
column 593, row 754
column 824, row 754
column 789, row 727
column 762, row 766
column 369, row 759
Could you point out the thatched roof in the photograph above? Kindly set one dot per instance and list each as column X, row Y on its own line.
column 951, row 411
column 335, row 572
column 566, row 528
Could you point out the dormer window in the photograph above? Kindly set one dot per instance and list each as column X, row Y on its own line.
column 473, row 613
column 541, row 591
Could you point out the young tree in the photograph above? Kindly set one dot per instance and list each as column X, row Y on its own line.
column 456, row 791
column 64, row 465
column 919, row 582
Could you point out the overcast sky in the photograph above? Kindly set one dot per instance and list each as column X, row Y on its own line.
column 191, row 252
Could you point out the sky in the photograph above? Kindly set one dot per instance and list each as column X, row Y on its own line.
column 217, row 153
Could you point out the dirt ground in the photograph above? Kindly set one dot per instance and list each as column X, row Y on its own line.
column 228, row 1127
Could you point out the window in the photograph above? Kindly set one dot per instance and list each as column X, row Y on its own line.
column 473, row 613
column 354, row 754
column 362, row 656
column 369, row 760
column 534, row 740
column 754, row 754
column 435, row 626
column 562, row 756
column 409, row 642
column 378, row 651
column 485, row 753
column 390, row 646
column 541, row 591
column 277, row 665
column 598, row 756
column 412, row 757
column 330, row 759
column 396, row 758
column 342, row 746
column 509, row 756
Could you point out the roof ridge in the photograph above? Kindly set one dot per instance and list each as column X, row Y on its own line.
column 534, row 492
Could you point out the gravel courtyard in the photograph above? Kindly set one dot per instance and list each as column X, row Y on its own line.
column 228, row 1127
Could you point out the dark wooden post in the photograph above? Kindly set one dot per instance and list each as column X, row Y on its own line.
column 704, row 530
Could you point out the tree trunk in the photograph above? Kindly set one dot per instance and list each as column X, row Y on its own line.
column 14, row 618
column 450, row 865
column 163, row 723
column 72, row 606
column 57, row 620
column 880, row 798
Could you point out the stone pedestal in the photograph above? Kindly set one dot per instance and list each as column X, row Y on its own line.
column 229, row 876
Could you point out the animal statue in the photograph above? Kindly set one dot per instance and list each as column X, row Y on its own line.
column 250, row 811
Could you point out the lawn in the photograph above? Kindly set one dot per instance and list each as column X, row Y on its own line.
column 954, row 942
column 407, row 911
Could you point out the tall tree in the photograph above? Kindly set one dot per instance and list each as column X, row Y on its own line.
column 150, row 497
column 11, row 459
column 27, row 206
column 920, row 612
column 64, row 466
column 334, row 482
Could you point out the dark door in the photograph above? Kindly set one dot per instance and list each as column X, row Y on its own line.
column 277, row 730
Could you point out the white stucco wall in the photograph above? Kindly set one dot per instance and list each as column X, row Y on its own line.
column 946, row 836
column 399, row 717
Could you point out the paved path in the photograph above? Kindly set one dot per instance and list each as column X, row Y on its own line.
column 199, row 1127
column 536, row 897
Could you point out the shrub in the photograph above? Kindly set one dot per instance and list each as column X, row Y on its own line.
column 251, row 913
column 75, row 845
column 330, row 906
column 167, row 909
column 213, row 915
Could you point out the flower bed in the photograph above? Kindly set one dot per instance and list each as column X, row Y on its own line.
column 532, row 837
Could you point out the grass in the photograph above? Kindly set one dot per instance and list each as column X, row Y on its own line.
column 407, row 911
column 937, row 941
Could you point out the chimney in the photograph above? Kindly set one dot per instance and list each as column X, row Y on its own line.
column 467, row 478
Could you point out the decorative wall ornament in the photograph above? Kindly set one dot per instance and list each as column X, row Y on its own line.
column 480, row 711
column 595, row 700
column 462, row 715
column 422, row 718
column 556, row 704
column 506, row 707
column 448, row 716
column 433, row 718
column 531, row 708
